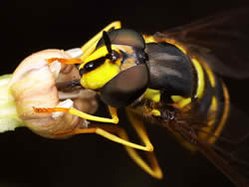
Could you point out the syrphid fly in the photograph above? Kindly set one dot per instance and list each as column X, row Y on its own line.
column 173, row 79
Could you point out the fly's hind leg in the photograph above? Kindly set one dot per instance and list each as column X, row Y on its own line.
column 113, row 133
column 110, row 132
column 153, row 167
column 114, row 120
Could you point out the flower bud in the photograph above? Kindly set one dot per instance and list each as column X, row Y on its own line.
column 34, row 84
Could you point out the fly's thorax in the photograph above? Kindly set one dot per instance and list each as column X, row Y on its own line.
column 171, row 74
column 33, row 84
column 170, row 70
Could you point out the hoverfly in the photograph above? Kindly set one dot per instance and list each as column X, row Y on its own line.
column 172, row 78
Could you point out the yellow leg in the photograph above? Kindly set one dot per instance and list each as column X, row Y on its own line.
column 153, row 167
column 78, row 113
column 88, row 47
column 107, row 132
column 113, row 113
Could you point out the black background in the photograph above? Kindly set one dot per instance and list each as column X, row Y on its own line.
column 29, row 160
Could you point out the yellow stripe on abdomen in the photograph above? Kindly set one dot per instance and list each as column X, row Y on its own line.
column 224, row 116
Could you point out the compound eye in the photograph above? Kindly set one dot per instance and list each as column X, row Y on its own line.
column 126, row 87
column 124, row 37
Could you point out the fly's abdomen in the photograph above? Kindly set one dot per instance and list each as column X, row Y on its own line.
column 213, row 106
column 208, row 106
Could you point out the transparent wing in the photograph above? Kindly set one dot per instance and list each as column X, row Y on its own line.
column 233, row 144
column 221, row 40
column 230, row 153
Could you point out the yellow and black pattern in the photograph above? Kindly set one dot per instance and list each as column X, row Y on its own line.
column 184, row 84
column 170, row 81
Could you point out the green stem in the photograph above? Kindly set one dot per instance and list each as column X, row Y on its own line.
column 9, row 119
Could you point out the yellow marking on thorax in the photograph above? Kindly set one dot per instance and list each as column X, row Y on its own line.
column 149, row 39
column 148, row 111
column 155, row 112
column 180, row 102
column 153, row 95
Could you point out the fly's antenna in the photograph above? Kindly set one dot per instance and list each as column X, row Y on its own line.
column 107, row 42
column 112, row 55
